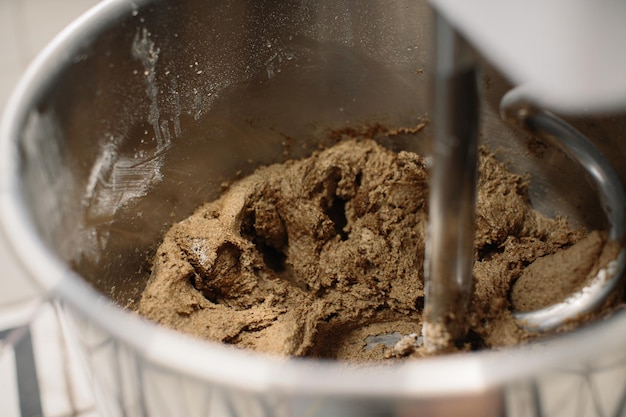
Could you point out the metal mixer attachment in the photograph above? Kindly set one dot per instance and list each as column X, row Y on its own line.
column 516, row 110
column 450, row 238
column 449, row 251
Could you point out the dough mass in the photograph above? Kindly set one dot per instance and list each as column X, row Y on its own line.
column 324, row 257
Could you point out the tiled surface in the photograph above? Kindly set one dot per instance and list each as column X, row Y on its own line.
column 38, row 375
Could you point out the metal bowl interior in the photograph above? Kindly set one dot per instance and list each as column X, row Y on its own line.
column 139, row 111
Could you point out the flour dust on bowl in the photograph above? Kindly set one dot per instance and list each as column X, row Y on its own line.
column 140, row 112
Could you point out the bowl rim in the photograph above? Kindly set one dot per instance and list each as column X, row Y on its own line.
column 456, row 374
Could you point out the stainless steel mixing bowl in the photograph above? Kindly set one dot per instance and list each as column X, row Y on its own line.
column 138, row 112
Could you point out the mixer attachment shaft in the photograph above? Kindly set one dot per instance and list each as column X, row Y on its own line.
column 450, row 244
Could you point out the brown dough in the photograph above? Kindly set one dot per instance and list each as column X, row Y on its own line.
column 324, row 257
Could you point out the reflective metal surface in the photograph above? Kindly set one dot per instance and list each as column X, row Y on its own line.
column 449, row 257
column 139, row 112
column 552, row 130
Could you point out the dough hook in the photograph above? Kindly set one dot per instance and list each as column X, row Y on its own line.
column 449, row 250
column 517, row 111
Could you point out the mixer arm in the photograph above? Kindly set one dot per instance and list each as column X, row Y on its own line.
column 569, row 54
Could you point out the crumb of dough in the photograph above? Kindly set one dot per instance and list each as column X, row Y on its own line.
column 315, row 257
